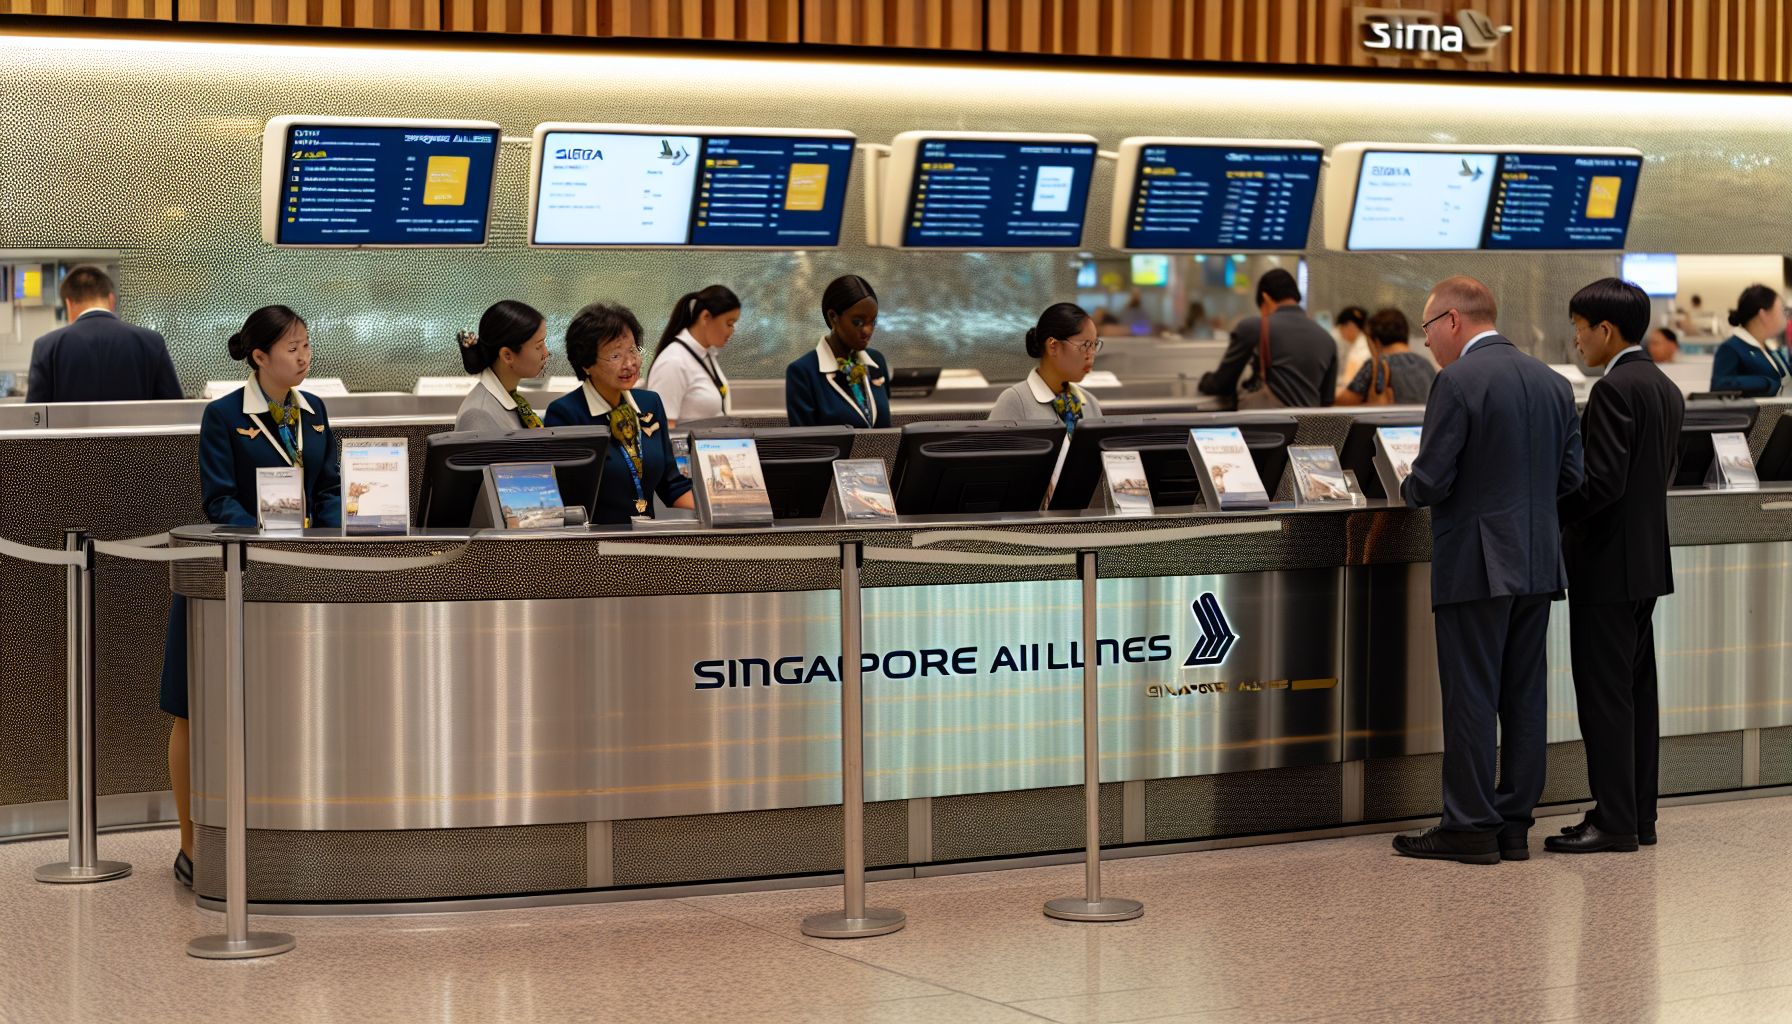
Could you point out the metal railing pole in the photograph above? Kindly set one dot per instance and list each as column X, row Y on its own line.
column 84, row 864
column 237, row 942
column 856, row 921
column 1092, row 906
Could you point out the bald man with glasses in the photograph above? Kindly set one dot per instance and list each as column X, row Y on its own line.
column 1501, row 445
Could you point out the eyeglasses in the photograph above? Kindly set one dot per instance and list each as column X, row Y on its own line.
column 627, row 355
column 1427, row 324
column 1085, row 347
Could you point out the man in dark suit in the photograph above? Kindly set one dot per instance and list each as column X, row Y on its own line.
column 98, row 357
column 1500, row 447
column 1615, row 541
column 1303, row 358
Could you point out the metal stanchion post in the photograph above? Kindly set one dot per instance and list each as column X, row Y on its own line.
column 84, row 864
column 856, row 921
column 1092, row 906
column 237, row 942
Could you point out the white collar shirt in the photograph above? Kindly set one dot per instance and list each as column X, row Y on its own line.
column 1043, row 394
column 596, row 404
column 681, row 376
column 1471, row 342
column 829, row 365
column 490, row 382
column 255, row 406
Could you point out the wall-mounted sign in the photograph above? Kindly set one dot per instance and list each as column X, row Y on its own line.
column 1391, row 33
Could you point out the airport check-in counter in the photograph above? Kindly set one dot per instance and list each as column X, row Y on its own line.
column 540, row 720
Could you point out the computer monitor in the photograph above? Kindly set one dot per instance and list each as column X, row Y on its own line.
column 1358, row 453
column 454, row 467
column 1162, row 444
column 1776, row 458
column 797, row 463
column 995, row 466
column 1704, row 418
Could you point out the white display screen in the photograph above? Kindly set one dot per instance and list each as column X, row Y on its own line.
column 1656, row 273
column 1421, row 200
column 616, row 189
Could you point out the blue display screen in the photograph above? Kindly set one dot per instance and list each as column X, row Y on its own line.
column 758, row 190
column 1223, row 197
column 386, row 186
column 1561, row 201
column 977, row 194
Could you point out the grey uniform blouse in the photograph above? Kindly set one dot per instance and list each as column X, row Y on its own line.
column 1031, row 399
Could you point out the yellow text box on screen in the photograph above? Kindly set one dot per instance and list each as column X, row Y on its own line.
column 1602, row 197
column 808, row 188
column 445, row 181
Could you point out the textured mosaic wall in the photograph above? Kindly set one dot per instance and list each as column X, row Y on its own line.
column 154, row 148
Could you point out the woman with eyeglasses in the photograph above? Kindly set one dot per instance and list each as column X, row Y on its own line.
column 603, row 344
column 1065, row 344
column 843, row 382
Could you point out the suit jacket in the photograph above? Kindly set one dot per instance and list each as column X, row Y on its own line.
column 1615, row 525
column 1500, row 446
column 813, row 398
column 489, row 407
column 1739, row 366
column 1303, row 359
column 100, row 358
column 659, row 466
column 236, row 439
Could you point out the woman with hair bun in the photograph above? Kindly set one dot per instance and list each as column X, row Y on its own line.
column 1753, row 360
column 1065, row 344
column 684, row 373
column 842, row 382
column 510, row 347
column 267, row 424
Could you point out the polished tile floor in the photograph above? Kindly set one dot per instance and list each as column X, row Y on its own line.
column 1698, row 928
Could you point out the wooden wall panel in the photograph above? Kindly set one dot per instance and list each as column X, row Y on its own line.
column 1724, row 40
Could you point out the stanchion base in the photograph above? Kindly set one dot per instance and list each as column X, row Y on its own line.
column 217, row 947
column 1111, row 908
column 877, row 921
column 63, row 873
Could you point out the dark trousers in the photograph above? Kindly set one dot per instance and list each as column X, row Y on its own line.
column 1490, row 662
column 1613, row 652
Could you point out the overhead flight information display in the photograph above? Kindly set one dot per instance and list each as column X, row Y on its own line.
column 1562, row 201
column 694, row 186
column 1189, row 195
column 997, row 194
column 1506, row 198
column 355, row 182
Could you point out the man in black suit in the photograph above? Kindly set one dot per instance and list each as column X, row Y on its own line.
column 1303, row 358
column 98, row 357
column 1500, row 447
column 1615, row 541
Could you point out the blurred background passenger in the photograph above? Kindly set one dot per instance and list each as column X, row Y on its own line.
column 1133, row 317
column 843, row 382
column 1353, row 342
column 1065, row 344
column 511, row 346
column 685, row 373
column 1106, row 325
column 1393, row 374
column 98, row 357
column 1303, row 360
column 1663, row 345
column 1195, row 325
column 1752, row 359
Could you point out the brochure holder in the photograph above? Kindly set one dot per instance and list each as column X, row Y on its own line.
column 517, row 496
column 1319, row 481
column 376, row 486
column 280, row 498
column 730, row 484
column 1395, row 450
column 862, row 492
column 1732, row 467
column 1226, row 472
column 1125, row 490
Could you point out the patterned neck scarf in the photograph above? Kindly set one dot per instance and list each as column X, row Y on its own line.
column 852, row 368
column 1068, row 406
column 625, row 430
column 286, row 426
column 523, row 411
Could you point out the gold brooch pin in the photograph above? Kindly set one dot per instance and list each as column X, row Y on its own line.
column 248, row 432
column 319, row 427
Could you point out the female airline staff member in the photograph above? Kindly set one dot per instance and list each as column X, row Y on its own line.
column 269, row 424
column 511, row 347
column 1745, row 362
column 841, row 383
column 685, row 374
column 602, row 345
column 1065, row 344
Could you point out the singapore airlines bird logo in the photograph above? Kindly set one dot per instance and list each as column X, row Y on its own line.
column 667, row 153
column 1471, row 173
column 1217, row 637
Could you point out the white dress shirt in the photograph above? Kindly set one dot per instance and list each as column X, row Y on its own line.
column 681, row 377
column 1471, row 342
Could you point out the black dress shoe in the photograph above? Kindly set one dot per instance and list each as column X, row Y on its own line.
column 1439, row 843
column 1590, row 839
column 1515, row 847
column 183, row 869
column 1645, row 836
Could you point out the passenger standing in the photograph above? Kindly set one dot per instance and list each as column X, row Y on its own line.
column 1500, row 447
column 1615, row 543
column 685, row 373
column 1752, row 360
column 1352, row 335
column 98, row 357
column 511, row 347
column 1393, row 374
column 1303, row 359
column 842, row 382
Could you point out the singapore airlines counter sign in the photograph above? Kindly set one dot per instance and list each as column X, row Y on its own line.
column 1390, row 33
